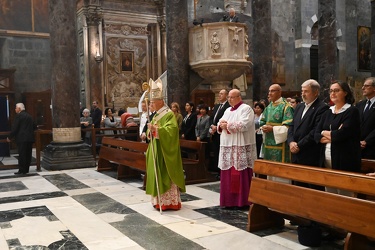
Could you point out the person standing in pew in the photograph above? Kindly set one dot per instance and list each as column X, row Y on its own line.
column 367, row 115
column 237, row 152
column 338, row 131
column 163, row 155
column 304, row 149
column 217, row 113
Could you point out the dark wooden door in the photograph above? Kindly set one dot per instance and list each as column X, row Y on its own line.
column 38, row 106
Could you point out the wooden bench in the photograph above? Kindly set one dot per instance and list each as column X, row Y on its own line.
column 271, row 200
column 195, row 164
column 130, row 159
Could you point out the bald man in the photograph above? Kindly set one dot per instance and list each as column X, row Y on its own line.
column 237, row 151
column 275, row 121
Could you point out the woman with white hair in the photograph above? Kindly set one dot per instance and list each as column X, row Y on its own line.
column 86, row 122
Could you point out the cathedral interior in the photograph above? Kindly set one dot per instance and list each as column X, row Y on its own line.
column 57, row 56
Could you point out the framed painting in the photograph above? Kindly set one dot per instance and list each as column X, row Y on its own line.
column 364, row 48
column 127, row 60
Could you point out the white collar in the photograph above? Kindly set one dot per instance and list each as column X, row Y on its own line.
column 343, row 109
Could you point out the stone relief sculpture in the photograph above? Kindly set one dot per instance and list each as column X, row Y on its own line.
column 215, row 44
column 236, row 30
column 246, row 46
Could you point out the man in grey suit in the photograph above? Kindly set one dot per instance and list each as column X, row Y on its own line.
column 217, row 113
column 306, row 117
column 366, row 109
column 23, row 130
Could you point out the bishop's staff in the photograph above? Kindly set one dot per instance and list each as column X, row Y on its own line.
column 146, row 88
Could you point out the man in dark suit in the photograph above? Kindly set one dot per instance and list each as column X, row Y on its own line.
column 217, row 113
column 96, row 114
column 306, row 117
column 231, row 18
column 367, row 116
column 23, row 130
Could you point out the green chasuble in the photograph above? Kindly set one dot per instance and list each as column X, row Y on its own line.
column 277, row 113
column 166, row 154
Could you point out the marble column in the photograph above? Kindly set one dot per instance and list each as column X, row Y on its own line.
column 93, row 15
column 372, row 37
column 177, row 51
column 327, row 61
column 66, row 150
column 262, row 44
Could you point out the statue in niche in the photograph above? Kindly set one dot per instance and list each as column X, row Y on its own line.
column 215, row 44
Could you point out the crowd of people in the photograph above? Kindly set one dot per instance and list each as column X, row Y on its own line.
column 302, row 130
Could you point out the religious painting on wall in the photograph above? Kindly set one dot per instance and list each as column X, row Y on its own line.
column 127, row 58
column 364, row 48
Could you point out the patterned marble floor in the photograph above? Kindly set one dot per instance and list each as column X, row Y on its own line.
column 84, row 209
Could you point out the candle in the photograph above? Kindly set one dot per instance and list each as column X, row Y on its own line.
column 113, row 97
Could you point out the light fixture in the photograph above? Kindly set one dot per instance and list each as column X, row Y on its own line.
column 98, row 57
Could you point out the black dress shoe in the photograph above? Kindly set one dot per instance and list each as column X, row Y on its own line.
column 18, row 173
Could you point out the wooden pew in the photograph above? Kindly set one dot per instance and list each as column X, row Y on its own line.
column 195, row 167
column 273, row 199
column 130, row 159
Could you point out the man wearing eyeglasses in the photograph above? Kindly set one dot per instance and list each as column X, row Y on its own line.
column 367, row 116
column 275, row 121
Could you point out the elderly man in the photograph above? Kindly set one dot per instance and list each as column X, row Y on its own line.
column 237, row 151
column 301, row 131
column 276, row 119
column 231, row 18
column 163, row 155
column 367, row 114
column 23, row 130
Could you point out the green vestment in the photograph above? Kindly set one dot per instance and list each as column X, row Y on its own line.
column 276, row 114
column 166, row 154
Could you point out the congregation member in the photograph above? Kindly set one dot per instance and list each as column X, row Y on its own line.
column 23, row 131
column 366, row 109
column 143, row 118
column 217, row 113
column 203, row 125
column 301, row 131
column 294, row 101
column 338, row 131
column 164, row 152
column 276, row 119
column 96, row 114
column 86, row 123
column 109, row 122
column 258, row 111
column 177, row 112
column 237, row 152
column 189, row 122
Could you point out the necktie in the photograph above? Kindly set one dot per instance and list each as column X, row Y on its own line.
column 218, row 109
column 365, row 113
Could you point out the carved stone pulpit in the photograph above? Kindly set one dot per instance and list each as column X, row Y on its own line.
column 218, row 52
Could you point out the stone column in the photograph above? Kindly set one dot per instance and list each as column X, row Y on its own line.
column 372, row 37
column 327, row 44
column 177, row 51
column 93, row 15
column 66, row 151
column 262, row 44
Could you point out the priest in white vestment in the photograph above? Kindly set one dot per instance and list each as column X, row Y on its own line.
column 237, row 152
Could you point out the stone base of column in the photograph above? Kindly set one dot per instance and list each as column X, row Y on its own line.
column 60, row 156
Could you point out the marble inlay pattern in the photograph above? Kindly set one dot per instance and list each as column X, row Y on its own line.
column 12, row 186
column 99, row 203
column 31, row 197
column 230, row 216
column 47, row 231
column 151, row 235
column 65, row 182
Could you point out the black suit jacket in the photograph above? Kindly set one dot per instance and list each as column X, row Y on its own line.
column 367, row 130
column 188, row 127
column 23, row 128
column 302, row 131
column 214, row 120
column 227, row 19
